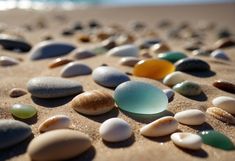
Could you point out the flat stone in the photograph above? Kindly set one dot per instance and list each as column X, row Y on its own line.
column 82, row 53
column 188, row 88
column 23, row 111
column 191, row 64
column 124, row 50
column 8, row 61
column 174, row 78
column 225, row 86
column 171, row 56
column 219, row 54
column 129, row 61
column 226, row 103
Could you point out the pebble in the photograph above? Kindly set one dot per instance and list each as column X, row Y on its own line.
column 98, row 50
column 13, row 132
column 174, row 78
column 188, row 88
column 160, row 127
column 170, row 94
column 171, row 56
column 82, row 53
column 191, row 64
column 201, row 52
column 8, row 61
column 109, row 43
column 219, row 54
column 226, row 103
column 124, row 50
column 94, row 24
column 75, row 69
column 224, row 33
column 143, row 98
column 109, row 76
column 23, row 111
column 153, row 68
column 187, row 140
column 191, row 117
column 78, row 26
column 115, row 130
column 59, row 62
column 224, row 43
column 148, row 43
column 85, row 38
column 59, row 144
column 49, row 49
column 11, row 42
column 225, row 86
column 129, row 61
column 17, row 92
column 93, row 102
column 160, row 48
column 145, row 53
column 221, row 115
column 67, row 32
column 53, row 87
column 55, row 122
column 217, row 140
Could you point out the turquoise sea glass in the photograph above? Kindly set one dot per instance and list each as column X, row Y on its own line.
column 172, row 56
column 23, row 111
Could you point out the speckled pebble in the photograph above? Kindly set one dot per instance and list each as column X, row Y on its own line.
column 188, row 88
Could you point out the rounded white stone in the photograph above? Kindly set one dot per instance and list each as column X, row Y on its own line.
column 75, row 69
column 219, row 54
column 174, row 78
column 226, row 103
column 124, row 50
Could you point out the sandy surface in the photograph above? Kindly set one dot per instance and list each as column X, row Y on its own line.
column 137, row 147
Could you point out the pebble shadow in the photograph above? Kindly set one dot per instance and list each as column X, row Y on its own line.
column 29, row 121
column 52, row 102
column 121, row 144
column 201, row 97
column 203, row 74
column 15, row 150
column 202, row 127
column 86, row 156
column 196, row 153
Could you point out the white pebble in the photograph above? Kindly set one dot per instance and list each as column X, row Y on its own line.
column 219, row 54
column 124, row 51
column 191, row 117
column 129, row 61
column 226, row 103
column 8, row 61
column 174, row 78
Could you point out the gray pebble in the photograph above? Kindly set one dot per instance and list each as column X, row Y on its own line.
column 219, row 54
column 82, row 53
column 170, row 94
column 8, row 61
column 188, row 88
column 75, row 69
column 191, row 64
column 124, row 50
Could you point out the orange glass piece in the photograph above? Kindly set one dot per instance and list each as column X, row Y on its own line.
column 153, row 68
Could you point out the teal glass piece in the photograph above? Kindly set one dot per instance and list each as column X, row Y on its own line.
column 140, row 98
column 172, row 56
column 23, row 111
column 217, row 140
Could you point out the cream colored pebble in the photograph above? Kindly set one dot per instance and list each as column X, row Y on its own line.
column 226, row 103
column 221, row 115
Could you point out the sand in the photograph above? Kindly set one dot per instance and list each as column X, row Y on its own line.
column 137, row 148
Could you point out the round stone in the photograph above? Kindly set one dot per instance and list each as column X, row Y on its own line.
column 23, row 111
column 219, row 54
column 191, row 64
column 140, row 98
column 172, row 56
column 153, row 68
column 124, row 50
column 225, row 86
column 188, row 88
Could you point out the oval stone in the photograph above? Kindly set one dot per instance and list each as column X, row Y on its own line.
column 188, row 88
column 75, row 69
column 23, row 111
column 109, row 76
column 172, row 56
column 191, row 64
column 49, row 49
column 224, row 43
column 153, row 68
column 8, row 61
column 59, row 62
column 159, row 48
column 225, row 86
column 170, row 94
column 53, row 87
column 174, row 78
column 58, row 145
column 82, row 53
column 129, row 61
column 226, row 103
column 17, row 92
column 124, row 50
column 219, row 54
column 143, row 98
column 146, row 44
column 13, row 132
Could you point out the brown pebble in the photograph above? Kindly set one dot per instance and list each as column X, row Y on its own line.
column 224, row 43
column 145, row 53
column 160, row 48
column 102, row 35
column 225, row 86
column 17, row 92
column 59, row 62
column 221, row 115
column 84, row 38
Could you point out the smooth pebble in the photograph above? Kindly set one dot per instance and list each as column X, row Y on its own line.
column 59, row 62
column 124, row 50
column 75, row 69
column 191, row 64
column 160, row 48
column 129, row 61
column 8, row 61
column 171, row 56
column 225, row 86
column 17, row 92
column 174, row 78
column 188, row 88
column 219, row 54
column 170, row 94
column 226, row 103
column 82, row 53
column 23, row 111
column 221, row 115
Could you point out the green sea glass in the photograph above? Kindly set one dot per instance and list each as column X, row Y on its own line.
column 172, row 56
column 23, row 111
column 216, row 139
column 140, row 98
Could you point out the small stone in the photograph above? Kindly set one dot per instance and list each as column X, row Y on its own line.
column 172, row 56
column 160, row 48
column 94, row 102
column 219, row 54
column 226, row 103
column 94, row 24
column 224, row 33
column 143, row 98
column 12, row 42
column 17, row 92
column 115, row 130
column 191, row 46
column 75, row 69
column 201, row 52
column 59, row 144
column 55, row 122
column 161, row 127
column 217, row 140
column 77, row 26
column 98, row 50
column 109, row 43
column 67, row 32
column 23, row 111
column 49, row 49
column 82, row 53
column 191, row 64
column 59, row 62
column 188, row 88
column 13, row 132
column 129, row 61
column 174, row 78
column 85, row 38
column 221, row 115
column 170, row 94
column 8, row 61
column 148, row 43
column 190, row 117
column 224, row 43
column 145, row 53
column 124, row 50
column 53, row 87
column 153, row 68
column 109, row 76
column 125, row 39
column 225, row 86
column 187, row 140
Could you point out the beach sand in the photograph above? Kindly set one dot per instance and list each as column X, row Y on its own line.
column 137, row 148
